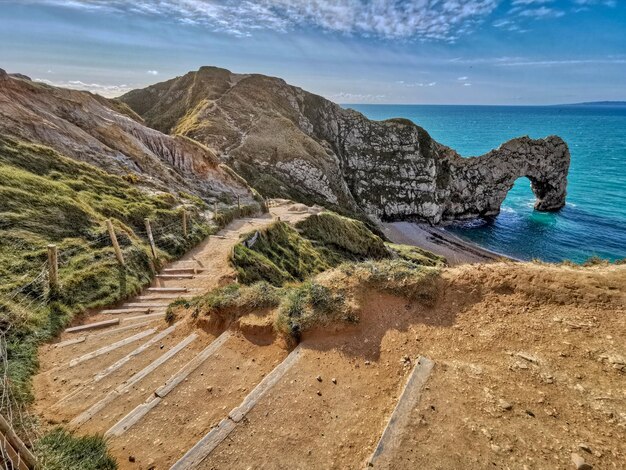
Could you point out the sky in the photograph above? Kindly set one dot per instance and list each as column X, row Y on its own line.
column 519, row 52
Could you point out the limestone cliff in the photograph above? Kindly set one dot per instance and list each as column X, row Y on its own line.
column 291, row 143
column 109, row 135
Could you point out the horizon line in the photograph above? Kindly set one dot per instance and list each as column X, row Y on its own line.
column 579, row 103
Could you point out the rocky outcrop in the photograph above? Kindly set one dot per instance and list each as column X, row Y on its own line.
column 109, row 135
column 290, row 143
column 477, row 186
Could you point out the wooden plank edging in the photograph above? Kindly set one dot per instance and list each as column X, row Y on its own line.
column 392, row 435
column 91, row 326
column 215, row 436
column 140, row 411
column 111, row 347
column 127, row 384
column 116, row 365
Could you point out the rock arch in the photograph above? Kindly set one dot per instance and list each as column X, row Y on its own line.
column 477, row 186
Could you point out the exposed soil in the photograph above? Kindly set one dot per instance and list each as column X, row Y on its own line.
column 529, row 369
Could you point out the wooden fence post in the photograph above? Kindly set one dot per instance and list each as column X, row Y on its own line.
column 184, row 223
column 53, row 268
column 116, row 245
column 150, row 238
column 16, row 443
column 214, row 209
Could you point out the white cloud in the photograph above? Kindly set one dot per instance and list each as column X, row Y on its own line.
column 109, row 91
column 462, row 79
column 424, row 19
column 416, row 84
column 608, row 3
column 467, row 84
column 530, row 62
column 344, row 97
column 530, row 2
column 152, row 72
column 549, row 63
column 522, row 11
column 542, row 12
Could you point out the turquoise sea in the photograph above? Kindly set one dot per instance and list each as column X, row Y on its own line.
column 593, row 223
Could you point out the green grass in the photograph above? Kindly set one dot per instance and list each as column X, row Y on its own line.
column 399, row 277
column 46, row 198
column 299, row 306
column 283, row 254
column 61, row 450
column 225, row 216
column 235, row 296
column 348, row 238
column 311, row 304
column 416, row 255
column 280, row 255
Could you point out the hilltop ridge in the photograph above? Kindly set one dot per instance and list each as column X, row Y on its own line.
column 108, row 134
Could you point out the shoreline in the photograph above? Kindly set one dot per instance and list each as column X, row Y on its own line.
column 440, row 241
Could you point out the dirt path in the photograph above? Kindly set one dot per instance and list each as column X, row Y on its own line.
column 328, row 423
column 90, row 380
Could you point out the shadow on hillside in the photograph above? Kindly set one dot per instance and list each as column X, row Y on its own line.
column 382, row 314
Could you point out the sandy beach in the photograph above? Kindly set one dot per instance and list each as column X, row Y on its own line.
column 439, row 241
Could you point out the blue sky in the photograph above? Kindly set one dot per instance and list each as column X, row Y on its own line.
column 351, row 51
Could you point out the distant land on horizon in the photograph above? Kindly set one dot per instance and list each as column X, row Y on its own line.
column 560, row 105
column 595, row 103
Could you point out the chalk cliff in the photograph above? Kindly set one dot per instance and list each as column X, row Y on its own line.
column 291, row 143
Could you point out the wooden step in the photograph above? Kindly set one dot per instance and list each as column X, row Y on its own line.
column 190, row 270
column 175, row 276
column 69, row 342
column 141, row 317
column 82, row 339
column 116, row 311
column 132, row 326
column 118, row 364
column 392, row 435
column 194, row 456
column 127, row 384
column 111, row 347
column 92, row 326
column 115, row 366
column 146, row 305
column 167, row 289
column 140, row 411
column 163, row 297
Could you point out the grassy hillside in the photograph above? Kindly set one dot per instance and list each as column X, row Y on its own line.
column 46, row 198
column 284, row 254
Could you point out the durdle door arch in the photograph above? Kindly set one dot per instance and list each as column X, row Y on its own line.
column 479, row 185
column 441, row 186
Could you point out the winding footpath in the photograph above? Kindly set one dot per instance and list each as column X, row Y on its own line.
column 173, row 395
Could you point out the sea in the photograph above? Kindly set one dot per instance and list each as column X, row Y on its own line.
column 593, row 222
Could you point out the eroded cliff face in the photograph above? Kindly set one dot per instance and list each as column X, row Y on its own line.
column 109, row 135
column 290, row 143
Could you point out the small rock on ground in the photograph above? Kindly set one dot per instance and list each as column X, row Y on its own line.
column 579, row 462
